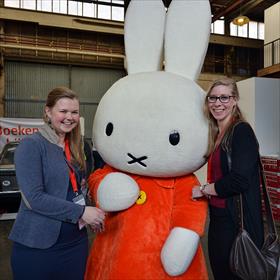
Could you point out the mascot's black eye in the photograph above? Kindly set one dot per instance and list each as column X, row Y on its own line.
column 109, row 129
column 174, row 138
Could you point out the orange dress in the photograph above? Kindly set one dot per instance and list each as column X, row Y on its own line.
column 130, row 246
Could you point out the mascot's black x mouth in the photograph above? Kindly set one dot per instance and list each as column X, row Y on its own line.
column 137, row 160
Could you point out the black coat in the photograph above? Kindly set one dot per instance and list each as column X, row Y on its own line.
column 243, row 178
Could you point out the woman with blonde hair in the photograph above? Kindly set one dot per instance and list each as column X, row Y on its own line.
column 233, row 169
column 50, row 240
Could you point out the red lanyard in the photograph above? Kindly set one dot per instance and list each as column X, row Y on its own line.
column 71, row 171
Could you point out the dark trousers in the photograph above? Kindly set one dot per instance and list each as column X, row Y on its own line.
column 221, row 235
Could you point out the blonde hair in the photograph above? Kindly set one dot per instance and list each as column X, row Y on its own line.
column 237, row 115
column 74, row 137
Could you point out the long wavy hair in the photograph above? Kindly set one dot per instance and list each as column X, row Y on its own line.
column 236, row 114
column 74, row 136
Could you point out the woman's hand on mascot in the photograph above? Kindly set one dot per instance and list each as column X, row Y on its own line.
column 196, row 192
column 94, row 217
column 206, row 190
column 97, row 228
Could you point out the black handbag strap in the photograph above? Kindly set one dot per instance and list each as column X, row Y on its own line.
column 268, row 212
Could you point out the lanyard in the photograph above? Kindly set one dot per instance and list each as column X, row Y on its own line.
column 71, row 171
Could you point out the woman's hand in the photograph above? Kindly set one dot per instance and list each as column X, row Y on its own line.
column 97, row 228
column 206, row 190
column 94, row 217
column 196, row 192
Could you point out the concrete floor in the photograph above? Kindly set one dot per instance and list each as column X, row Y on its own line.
column 6, row 246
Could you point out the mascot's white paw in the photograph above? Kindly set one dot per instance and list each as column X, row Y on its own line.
column 116, row 192
column 179, row 250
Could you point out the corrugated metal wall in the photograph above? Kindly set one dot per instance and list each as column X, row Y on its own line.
column 91, row 84
column 27, row 85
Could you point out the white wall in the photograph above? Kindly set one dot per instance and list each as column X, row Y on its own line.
column 272, row 23
column 260, row 103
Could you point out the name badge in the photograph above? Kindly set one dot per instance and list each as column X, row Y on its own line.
column 79, row 199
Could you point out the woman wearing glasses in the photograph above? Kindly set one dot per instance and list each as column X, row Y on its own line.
column 228, row 131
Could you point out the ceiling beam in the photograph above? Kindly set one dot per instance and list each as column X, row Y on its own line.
column 246, row 8
column 225, row 11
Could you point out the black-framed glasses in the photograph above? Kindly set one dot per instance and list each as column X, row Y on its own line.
column 222, row 98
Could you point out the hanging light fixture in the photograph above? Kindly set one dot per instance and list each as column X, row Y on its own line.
column 241, row 20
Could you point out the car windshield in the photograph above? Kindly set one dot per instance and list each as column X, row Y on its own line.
column 8, row 157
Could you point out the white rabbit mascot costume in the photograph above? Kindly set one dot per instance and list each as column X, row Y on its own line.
column 150, row 130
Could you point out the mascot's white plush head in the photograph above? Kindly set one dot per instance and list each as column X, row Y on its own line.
column 151, row 122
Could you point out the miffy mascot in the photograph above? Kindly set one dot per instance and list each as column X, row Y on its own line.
column 150, row 130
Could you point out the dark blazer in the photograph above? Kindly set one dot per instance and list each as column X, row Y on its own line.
column 243, row 178
column 43, row 177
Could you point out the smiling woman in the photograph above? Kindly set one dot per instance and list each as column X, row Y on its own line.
column 221, row 104
column 63, row 116
column 220, row 107
column 230, row 137
column 51, row 174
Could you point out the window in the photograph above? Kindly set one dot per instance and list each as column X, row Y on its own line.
column 233, row 29
column 89, row 10
column 103, row 9
column 218, row 27
column 75, row 8
column 242, row 31
column 253, row 29
column 117, row 13
column 28, row 4
column 60, row 6
column 12, row 3
column 261, row 31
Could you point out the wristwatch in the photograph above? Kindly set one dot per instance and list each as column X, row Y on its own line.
column 202, row 188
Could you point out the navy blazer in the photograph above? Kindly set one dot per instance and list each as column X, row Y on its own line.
column 43, row 177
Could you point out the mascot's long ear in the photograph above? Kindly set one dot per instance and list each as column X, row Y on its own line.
column 187, row 33
column 144, row 33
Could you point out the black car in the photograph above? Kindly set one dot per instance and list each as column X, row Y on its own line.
column 9, row 192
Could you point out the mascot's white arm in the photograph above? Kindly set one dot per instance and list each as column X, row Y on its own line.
column 117, row 192
column 179, row 250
